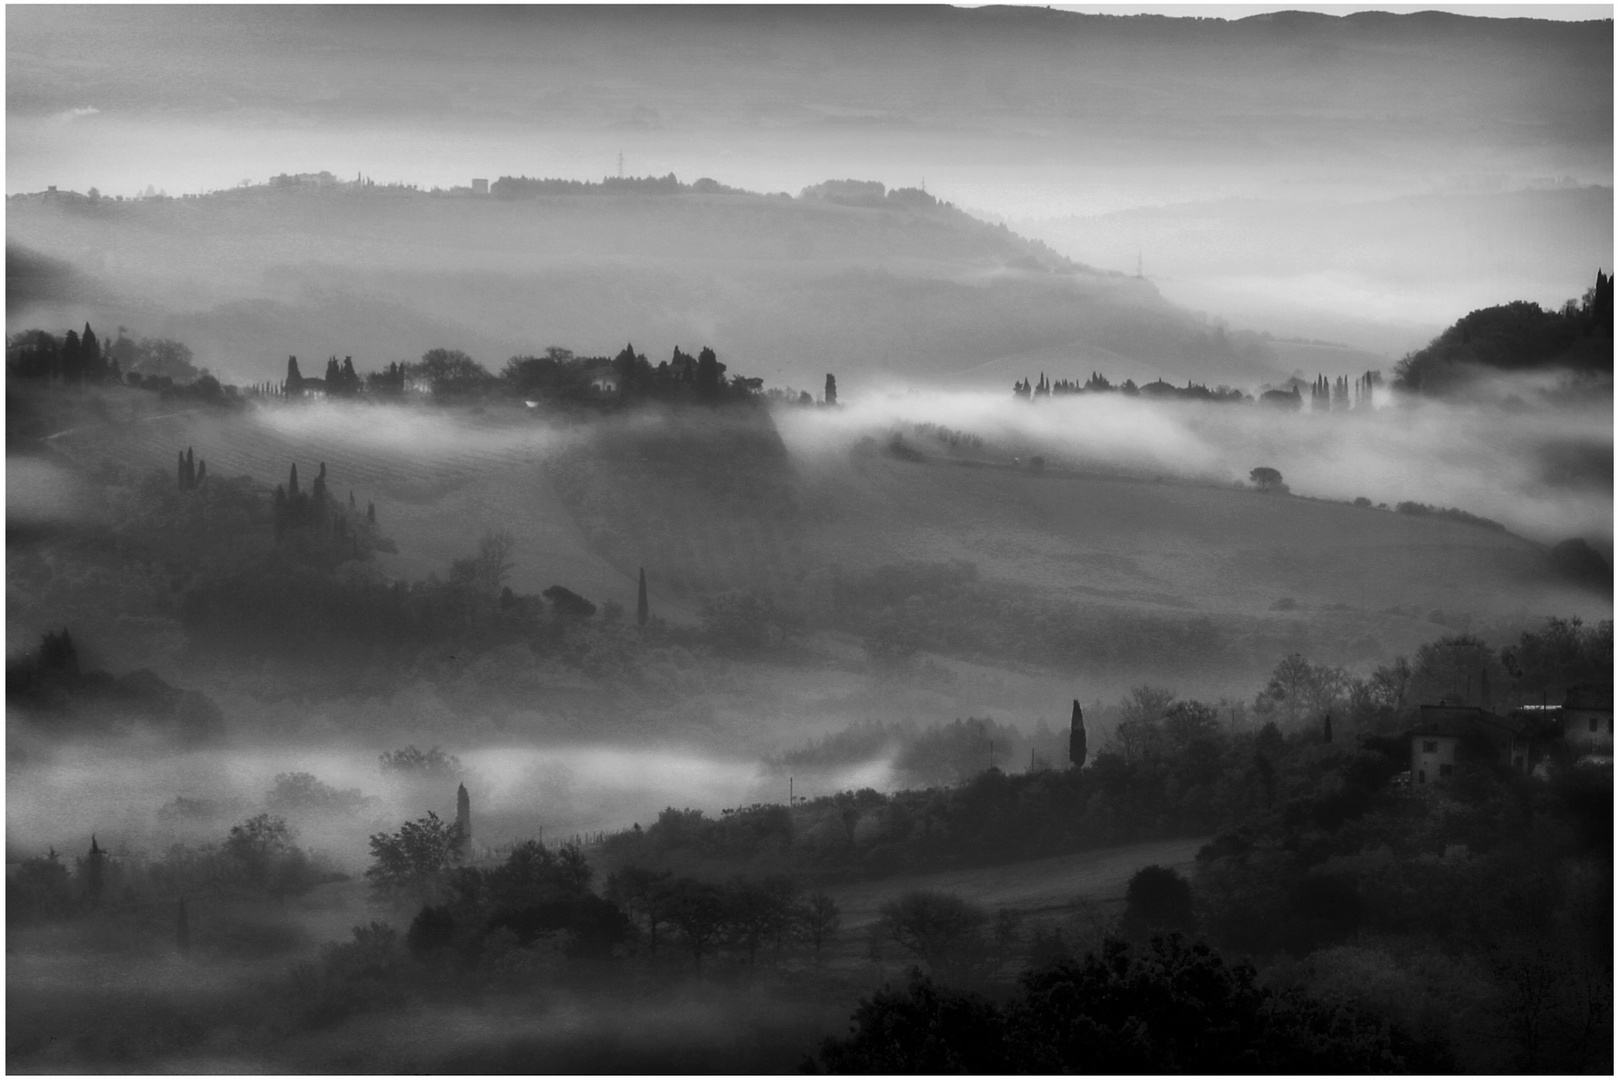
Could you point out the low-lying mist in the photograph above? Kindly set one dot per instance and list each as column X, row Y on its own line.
column 143, row 800
column 1528, row 451
column 1489, row 459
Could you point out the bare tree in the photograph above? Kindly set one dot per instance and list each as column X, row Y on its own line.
column 941, row 929
column 494, row 561
column 818, row 919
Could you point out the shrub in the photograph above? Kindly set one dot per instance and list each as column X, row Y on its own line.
column 1157, row 899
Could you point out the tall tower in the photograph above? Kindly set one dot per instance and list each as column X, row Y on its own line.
column 464, row 820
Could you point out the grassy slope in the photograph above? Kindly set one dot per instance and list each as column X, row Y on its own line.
column 1364, row 582
column 1174, row 550
column 1039, row 887
column 1175, row 547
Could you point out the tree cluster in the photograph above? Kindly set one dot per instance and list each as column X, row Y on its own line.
column 259, row 858
column 1480, row 918
column 49, row 689
column 744, row 916
column 1520, row 336
column 523, row 187
column 1168, row 1006
column 72, row 357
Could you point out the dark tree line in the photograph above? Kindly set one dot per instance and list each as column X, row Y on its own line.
column 73, row 357
column 48, row 687
column 560, row 377
column 1168, row 1006
column 557, row 376
column 1520, row 336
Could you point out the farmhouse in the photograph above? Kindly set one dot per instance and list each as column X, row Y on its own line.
column 1588, row 720
column 298, row 386
column 1447, row 735
column 1437, row 745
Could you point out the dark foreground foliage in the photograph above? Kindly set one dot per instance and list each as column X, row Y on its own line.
column 1167, row 1007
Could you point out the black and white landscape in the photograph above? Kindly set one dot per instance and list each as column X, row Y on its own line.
column 747, row 539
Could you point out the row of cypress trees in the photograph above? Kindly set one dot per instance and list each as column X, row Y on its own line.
column 190, row 472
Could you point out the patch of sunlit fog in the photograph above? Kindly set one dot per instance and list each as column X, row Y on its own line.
column 1483, row 456
column 119, row 791
column 811, row 782
column 1095, row 429
column 564, row 791
column 582, row 788
column 411, row 433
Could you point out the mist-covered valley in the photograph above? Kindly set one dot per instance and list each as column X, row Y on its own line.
column 869, row 540
column 883, row 596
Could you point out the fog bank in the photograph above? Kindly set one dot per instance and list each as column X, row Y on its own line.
column 1489, row 460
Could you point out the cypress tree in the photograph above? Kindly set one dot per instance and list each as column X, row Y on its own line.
column 72, row 360
column 1077, row 737
column 191, row 470
column 710, row 373
column 90, row 349
column 1327, row 727
column 371, row 512
column 830, row 394
column 94, row 872
column 334, row 375
column 295, row 381
column 641, row 599
column 180, row 470
column 318, row 489
column 463, row 820
column 292, row 481
column 202, row 471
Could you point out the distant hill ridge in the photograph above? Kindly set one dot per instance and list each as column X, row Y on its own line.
column 848, row 276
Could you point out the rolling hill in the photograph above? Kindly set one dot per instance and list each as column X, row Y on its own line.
column 786, row 288
column 710, row 504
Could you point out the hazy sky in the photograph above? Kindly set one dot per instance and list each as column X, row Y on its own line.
column 1027, row 112
column 1564, row 12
